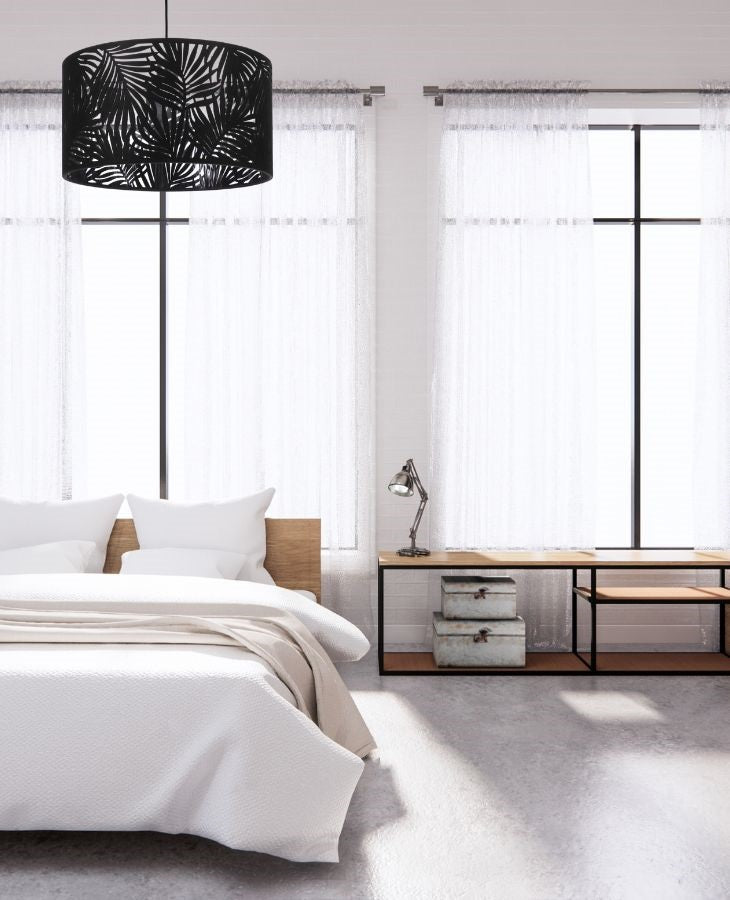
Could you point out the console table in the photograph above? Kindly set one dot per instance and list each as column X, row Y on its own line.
column 591, row 562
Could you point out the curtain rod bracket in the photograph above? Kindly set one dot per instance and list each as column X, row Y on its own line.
column 433, row 90
column 375, row 90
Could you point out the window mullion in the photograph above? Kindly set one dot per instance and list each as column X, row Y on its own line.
column 636, row 424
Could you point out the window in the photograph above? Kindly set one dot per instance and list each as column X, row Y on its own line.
column 646, row 201
column 121, row 281
column 121, row 276
column 121, row 359
column 280, row 309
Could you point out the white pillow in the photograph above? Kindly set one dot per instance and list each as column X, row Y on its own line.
column 26, row 524
column 175, row 561
column 62, row 556
column 234, row 525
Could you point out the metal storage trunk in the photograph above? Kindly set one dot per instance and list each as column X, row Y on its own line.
column 460, row 642
column 478, row 597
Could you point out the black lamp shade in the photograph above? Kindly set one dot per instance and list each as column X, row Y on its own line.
column 167, row 114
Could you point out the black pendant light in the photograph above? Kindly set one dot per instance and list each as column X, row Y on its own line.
column 167, row 114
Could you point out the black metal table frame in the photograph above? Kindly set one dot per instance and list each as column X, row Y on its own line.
column 591, row 665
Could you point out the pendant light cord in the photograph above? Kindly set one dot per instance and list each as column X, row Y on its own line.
column 166, row 18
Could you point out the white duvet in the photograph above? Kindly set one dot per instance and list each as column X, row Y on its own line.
column 198, row 739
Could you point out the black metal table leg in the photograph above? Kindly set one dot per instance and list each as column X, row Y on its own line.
column 594, row 667
column 574, row 612
column 381, row 655
column 723, row 648
column 722, row 617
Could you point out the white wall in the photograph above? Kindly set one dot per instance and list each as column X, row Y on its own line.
column 402, row 44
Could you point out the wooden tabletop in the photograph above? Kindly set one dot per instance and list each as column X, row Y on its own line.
column 559, row 559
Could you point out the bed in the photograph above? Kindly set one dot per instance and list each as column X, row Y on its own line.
column 181, row 704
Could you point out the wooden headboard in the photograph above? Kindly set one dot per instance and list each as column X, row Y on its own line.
column 293, row 554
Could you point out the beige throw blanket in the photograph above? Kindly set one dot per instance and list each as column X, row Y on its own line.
column 276, row 636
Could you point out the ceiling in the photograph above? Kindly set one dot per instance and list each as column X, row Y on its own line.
column 402, row 43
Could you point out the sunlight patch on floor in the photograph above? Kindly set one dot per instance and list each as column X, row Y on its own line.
column 650, row 801
column 451, row 818
column 612, row 706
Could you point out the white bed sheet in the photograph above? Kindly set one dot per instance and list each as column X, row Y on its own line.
column 192, row 739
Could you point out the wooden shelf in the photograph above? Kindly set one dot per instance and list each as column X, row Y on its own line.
column 535, row 662
column 658, row 594
column 569, row 664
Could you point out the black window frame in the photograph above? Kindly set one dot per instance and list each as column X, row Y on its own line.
column 637, row 221
column 162, row 220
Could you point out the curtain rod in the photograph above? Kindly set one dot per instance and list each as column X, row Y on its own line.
column 375, row 90
column 432, row 90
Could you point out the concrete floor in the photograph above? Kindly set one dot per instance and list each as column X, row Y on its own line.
column 483, row 789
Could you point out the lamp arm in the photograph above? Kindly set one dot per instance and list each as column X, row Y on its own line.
column 417, row 520
column 417, row 480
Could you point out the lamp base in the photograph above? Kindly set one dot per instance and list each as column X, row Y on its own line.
column 413, row 551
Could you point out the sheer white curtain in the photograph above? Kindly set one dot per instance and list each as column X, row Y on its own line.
column 41, row 413
column 277, row 334
column 712, row 432
column 513, row 429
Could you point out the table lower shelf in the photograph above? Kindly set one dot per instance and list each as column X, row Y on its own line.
column 659, row 663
